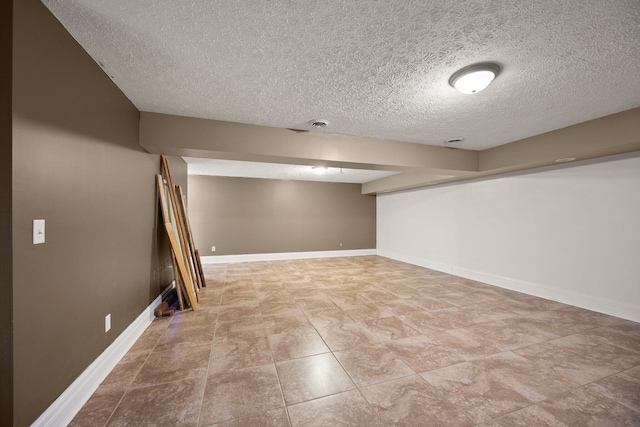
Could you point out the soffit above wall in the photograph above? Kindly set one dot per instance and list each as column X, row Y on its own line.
column 412, row 165
column 372, row 69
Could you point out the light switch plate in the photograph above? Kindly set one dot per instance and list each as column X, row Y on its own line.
column 38, row 231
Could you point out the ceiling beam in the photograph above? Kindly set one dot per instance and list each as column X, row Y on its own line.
column 418, row 165
column 403, row 181
column 186, row 136
column 615, row 134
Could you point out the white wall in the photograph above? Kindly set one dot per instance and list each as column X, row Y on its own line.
column 568, row 233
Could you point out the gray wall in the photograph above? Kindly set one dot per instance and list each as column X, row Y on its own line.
column 249, row 216
column 77, row 164
column 6, row 272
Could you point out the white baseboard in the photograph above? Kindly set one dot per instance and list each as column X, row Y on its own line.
column 222, row 259
column 612, row 308
column 62, row 411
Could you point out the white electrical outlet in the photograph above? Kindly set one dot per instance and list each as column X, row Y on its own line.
column 340, row 244
column 107, row 323
column 38, row 231
column 213, row 248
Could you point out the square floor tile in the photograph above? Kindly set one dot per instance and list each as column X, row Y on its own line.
column 177, row 363
column 312, row 377
column 241, row 327
column 277, row 324
column 465, row 343
column 328, row 316
column 581, row 358
column 531, row 379
column 422, row 354
column 473, row 391
column 339, row 410
column 98, row 409
column 123, row 374
column 239, row 351
column 623, row 388
column 389, row 328
column 410, row 401
column 508, row 334
column 347, row 335
column 185, row 336
column 582, row 407
column 295, row 343
column 174, row 404
column 240, row 393
column 272, row 418
column 533, row 416
column 370, row 364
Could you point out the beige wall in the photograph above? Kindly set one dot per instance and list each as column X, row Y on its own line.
column 250, row 216
column 77, row 164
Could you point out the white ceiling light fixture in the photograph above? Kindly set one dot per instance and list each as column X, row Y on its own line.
column 474, row 78
column 320, row 169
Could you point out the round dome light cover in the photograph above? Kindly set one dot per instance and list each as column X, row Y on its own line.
column 474, row 78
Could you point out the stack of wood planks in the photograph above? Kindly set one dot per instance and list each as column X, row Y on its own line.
column 186, row 259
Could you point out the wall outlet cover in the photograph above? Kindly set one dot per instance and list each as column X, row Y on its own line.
column 38, row 231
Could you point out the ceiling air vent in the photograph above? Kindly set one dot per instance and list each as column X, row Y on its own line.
column 319, row 124
column 453, row 142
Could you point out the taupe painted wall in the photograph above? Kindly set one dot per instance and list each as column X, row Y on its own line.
column 249, row 216
column 6, row 272
column 77, row 164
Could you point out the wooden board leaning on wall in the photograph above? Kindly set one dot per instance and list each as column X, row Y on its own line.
column 189, row 274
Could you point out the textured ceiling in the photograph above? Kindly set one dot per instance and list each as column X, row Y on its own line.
column 215, row 167
column 371, row 68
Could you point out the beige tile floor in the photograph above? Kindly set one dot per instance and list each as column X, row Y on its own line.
column 368, row 341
